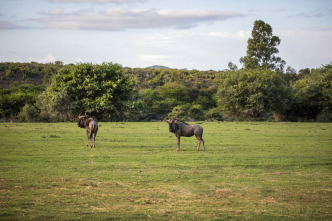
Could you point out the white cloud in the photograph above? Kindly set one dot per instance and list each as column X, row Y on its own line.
column 111, row 19
column 55, row 11
column 241, row 35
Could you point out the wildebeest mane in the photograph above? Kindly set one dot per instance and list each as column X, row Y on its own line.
column 180, row 121
column 87, row 121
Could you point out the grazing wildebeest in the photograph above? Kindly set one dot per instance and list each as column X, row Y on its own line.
column 180, row 128
column 91, row 126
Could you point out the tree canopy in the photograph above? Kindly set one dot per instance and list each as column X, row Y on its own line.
column 101, row 90
column 253, row 94
column 262, row 49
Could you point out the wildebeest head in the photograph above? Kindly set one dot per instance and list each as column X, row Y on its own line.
column 81, row 120
column 172, row 125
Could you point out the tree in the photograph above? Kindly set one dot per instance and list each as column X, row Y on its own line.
column 313, row 95
column 101, row 90
column 253, row 94
column 14, row 99
column 176, row 91
column 232, row 67
column 29, row 113
column 262, row 48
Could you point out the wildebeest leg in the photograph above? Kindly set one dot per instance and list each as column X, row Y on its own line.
column 87, row 140
column 200, row 140
column 198, row 144
column 178, row 142
column 203, row 145
column 94, row 140
column 91, row 142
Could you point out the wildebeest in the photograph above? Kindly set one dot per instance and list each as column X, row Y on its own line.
column 180, row 128
column 91, row 126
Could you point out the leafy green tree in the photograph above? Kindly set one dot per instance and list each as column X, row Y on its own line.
column 176, row 91
column 180, row 112
column 232, row 66
column 101, row 90
column 196, row 112
column 150, row 103
column 214, row 114
column 262, row 48
column 29, row 113
column 206, row 98
column 14, row 99
column 253, row 94
column 313, row 95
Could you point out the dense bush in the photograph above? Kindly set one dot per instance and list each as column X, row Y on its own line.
column 14, row 99
column 214, row 114
column 253, row 94
column 29, row 113
column 101, row 90
column 313, row 95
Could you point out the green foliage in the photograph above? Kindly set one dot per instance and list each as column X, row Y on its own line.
column 29, row 113
column 101, row 90
column 180, row 112
column 110, row 92
column 214, row 114
column 313, row 95
column 187, row 112
column 156, row 107
column 196, row 112
column 14, row 99
column 262, row 48
column 27, row 73
column 176, row 91
column 253, row 94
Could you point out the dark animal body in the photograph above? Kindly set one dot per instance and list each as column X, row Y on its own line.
column 180, row 128
column 91, row 127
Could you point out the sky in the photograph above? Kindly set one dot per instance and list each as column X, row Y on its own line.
column 182, row 34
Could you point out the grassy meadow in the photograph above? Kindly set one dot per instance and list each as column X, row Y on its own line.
column 249, row 171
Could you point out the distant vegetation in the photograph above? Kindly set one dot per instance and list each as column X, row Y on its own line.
column 261, row 90
column 58, row 92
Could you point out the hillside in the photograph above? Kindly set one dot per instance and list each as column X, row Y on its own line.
column 159, row 66
column 27, row 73
column 151, row 77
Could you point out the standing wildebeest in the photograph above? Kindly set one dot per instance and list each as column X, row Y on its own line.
column 180, row 128
column 91, row 126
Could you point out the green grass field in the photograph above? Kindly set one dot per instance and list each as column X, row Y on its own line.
column 249, row 171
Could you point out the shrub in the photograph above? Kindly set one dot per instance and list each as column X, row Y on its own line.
column 29, row 113
column 180, row 112
column 214, row 114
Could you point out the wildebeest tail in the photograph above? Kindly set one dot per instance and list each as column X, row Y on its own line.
column 201, row 132
column 92, row 130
